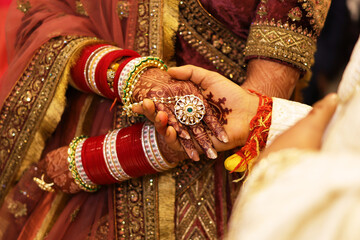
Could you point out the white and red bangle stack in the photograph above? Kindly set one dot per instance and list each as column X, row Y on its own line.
column 117, row 156
column 90, row 73
column 112, row 72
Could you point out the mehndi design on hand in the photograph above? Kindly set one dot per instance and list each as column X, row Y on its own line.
column 155, row 83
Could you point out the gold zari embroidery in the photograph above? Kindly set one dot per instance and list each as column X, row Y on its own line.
column 316, row 10
column 295, row 14
column 25, row 107
column 195, row 200
column 123, row 9
column 23, row 5
column 212, row 40
column 17, row 208
column 280, row 43
column 195, row 208
column 80, row 8
column 142, row 30
column 155, row 31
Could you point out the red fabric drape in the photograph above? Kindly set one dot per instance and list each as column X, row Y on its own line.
column 4, row 6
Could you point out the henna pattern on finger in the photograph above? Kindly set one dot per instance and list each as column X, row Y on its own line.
column 171, row 155
column 219, row 108
column 172, row 121
column 202, row 138
column 212, row 121
column 155, row 83
column 190, row 149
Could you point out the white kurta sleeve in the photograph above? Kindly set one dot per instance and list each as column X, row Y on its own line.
column 285, row 114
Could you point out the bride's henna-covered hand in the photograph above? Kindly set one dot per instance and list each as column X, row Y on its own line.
column 155, row 83
column 236, row 106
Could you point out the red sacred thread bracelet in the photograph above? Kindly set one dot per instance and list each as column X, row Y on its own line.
column 259, row 131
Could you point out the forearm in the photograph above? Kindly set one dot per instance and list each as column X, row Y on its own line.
column 284, row 33
column 271, row 78
column 115, row 157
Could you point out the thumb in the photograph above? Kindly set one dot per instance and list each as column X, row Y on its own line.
column 199, row 76
column 320, row 116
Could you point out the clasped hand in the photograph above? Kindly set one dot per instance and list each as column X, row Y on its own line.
column 209, row 135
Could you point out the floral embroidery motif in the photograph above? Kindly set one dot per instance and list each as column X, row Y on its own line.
column 129, row 207
column 295, row 14
column 17, row 208
column 123, row 9
column 74, row 214
column 103, row 229
column 262, row 11
column 142, row 29
column 23, row 5
column 316, row 10
column 80, row 8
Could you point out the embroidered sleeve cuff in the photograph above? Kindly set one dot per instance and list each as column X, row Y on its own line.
column 285, row 114
column 285, row 43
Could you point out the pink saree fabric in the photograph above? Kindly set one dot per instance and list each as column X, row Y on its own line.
column 25, row 34
column 4, row 5
column 48, row 19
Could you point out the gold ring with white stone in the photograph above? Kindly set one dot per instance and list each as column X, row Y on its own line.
column 189, row 109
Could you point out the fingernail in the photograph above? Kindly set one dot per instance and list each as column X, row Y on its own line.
column 195, row 155
column 211, row 153
column 334, row 97
column 185, row 135
column 224, row 137
column 157, row 119
column 144, row 107
column 167, row 133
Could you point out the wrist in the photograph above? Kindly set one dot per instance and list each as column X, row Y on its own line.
column 257, row 137
column 117, row 156
column 148, row 82
column 131, row 80
column 271, row 78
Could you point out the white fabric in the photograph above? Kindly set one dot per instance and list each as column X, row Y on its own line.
column 347, row 117
column 300, row 195
column 296, row 195
column 285, row 114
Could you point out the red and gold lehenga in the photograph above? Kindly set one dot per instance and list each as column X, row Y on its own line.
column 40, row 113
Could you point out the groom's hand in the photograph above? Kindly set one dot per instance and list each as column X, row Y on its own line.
column 236, row 106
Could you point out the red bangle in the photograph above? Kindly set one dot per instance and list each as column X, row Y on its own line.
column 130, row 152
column 117, row 75
column 103, row 66
column 77, row 72
column 94, row 162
